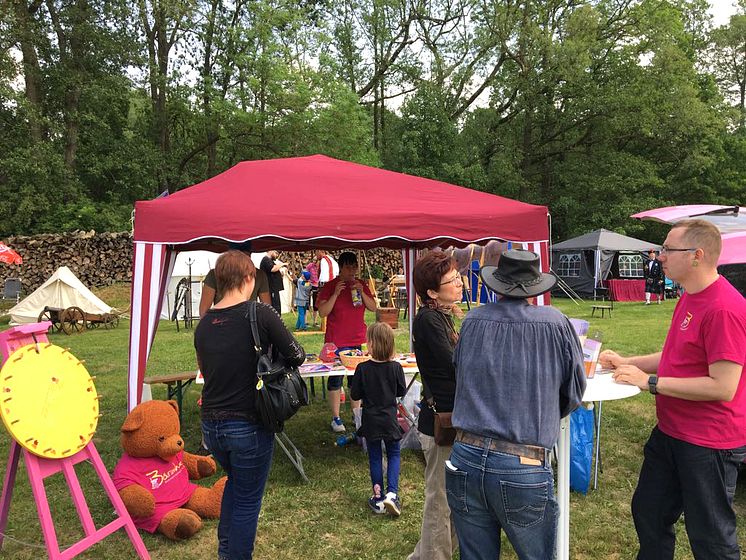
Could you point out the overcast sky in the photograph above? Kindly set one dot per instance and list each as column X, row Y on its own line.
column 721, row 10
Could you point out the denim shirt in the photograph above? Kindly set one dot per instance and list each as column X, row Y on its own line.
column 519, row 369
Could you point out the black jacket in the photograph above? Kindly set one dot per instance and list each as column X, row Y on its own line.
column 227, row 359
column 434, row 340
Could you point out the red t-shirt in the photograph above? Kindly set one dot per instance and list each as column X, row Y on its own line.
column 345, row 325
column 168, row 481
column 707, row 327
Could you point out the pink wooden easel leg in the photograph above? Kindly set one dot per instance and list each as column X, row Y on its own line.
column 8, row 484
column 42, row 505
column 116, row 500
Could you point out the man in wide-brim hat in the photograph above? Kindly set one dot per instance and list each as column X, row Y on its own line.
column 519, row 369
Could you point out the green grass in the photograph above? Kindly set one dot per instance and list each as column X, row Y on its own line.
column 328, row 518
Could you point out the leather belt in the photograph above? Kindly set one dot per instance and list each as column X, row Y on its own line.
column 518, row 449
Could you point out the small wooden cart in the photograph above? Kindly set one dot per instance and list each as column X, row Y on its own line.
column 73, row 319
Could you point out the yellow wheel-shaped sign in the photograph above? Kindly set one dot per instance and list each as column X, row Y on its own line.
column 49, row 403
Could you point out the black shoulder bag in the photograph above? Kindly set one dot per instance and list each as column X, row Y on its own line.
column 280, row 390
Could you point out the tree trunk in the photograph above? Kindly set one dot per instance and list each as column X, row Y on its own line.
column 31, row 70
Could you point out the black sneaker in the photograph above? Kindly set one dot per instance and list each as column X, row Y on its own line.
column 376, row 504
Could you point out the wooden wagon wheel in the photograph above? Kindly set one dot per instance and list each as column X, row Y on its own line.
column 111, row 320
column 48, row 315
column 73, row 320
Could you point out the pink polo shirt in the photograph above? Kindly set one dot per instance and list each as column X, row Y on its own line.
column 707, row 327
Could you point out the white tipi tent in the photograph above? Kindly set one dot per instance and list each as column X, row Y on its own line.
column 61, row 290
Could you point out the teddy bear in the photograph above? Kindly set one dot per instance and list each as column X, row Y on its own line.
column 153, row 476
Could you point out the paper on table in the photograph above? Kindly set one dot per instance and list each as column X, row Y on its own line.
column 602, row 387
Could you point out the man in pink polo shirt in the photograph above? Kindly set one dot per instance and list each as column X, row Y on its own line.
column 692, row 457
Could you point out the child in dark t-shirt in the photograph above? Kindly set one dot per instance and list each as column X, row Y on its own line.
column 378, row 382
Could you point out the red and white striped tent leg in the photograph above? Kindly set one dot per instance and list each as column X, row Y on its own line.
column 409, row 257
column 541, row 248
column 152, row 267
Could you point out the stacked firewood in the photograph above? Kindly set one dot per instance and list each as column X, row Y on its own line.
column 97, row 259
column 101, row 259
column 383, row 263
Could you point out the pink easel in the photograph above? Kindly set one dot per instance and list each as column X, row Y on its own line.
column 39, row 468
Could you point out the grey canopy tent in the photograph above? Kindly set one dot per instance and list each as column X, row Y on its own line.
column 584, row 262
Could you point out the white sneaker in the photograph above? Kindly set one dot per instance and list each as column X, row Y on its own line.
column 337, row 426
column 392, row 504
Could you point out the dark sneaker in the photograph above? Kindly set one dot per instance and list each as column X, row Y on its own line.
column 391, row 504
column 376, row 504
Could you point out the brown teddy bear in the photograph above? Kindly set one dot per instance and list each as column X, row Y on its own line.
column 153, row 475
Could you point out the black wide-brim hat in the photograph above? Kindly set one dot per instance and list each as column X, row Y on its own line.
column 517, row 275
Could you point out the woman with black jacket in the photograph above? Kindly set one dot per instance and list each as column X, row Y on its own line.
column 230, row 427
column 438, row 284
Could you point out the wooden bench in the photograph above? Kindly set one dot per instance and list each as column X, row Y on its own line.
column 177, row 384
column 601, row 307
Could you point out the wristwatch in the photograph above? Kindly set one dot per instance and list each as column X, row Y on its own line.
column 653, row 384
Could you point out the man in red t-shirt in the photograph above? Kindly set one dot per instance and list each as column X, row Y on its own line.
column 343, row 302
column 692, row 457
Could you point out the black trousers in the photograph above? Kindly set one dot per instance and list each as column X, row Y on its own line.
column 679, row 477
column 275, row 296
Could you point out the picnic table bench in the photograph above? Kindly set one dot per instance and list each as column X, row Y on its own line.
column 177, row 384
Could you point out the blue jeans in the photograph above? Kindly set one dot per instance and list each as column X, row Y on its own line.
column 301, row 322
column 489, row 491
column 375, row 461
column 679, row 477
column 244, row 450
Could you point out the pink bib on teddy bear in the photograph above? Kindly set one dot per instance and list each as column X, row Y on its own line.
column 168, row 481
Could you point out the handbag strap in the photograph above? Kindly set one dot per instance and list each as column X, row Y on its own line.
column 428, row 395
column 251, row 313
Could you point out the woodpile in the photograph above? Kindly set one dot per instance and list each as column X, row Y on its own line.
column 385, row 262
column 101, row 259
column 97, row 259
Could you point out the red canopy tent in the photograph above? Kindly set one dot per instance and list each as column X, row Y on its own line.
column 303, row 203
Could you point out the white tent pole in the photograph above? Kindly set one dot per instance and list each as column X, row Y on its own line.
column 597, row 265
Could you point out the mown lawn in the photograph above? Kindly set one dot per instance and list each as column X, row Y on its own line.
column 328, row 518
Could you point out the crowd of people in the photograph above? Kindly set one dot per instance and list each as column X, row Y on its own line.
column 505, row 379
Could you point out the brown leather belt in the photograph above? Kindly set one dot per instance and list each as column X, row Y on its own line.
column 518, row 449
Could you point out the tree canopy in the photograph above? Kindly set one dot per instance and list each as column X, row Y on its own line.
column 595, row 108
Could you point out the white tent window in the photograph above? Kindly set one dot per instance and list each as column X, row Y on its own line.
column 569, row 265
column 631, row 266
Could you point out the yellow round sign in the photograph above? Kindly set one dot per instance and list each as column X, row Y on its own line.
column 49, row 403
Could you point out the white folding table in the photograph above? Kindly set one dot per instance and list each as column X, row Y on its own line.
column 601, row 387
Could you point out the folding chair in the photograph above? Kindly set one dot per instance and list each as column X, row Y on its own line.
column 12, row 289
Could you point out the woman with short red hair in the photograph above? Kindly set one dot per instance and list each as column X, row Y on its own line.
column 438, row 284
column 230, row 423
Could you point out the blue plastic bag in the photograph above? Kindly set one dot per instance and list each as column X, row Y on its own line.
column 581, row 449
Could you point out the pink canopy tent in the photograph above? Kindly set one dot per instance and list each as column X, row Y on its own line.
column 734, row 248
column 297, row 204
column 731, row 220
